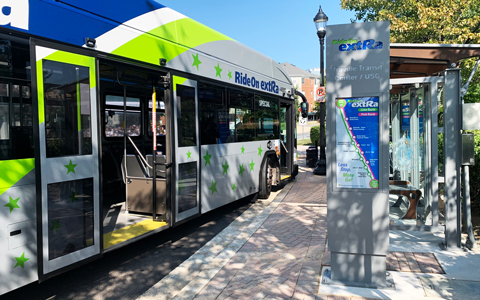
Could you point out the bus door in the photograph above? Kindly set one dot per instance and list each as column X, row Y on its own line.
column 286, row 137
column 185, row 183
column 68, row 214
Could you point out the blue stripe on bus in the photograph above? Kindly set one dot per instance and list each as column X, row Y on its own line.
column 117, row 10
column 61, row 22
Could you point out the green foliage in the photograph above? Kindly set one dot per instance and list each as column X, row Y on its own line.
column 473, row 95
column 428, row 21
column 297, row 104
column 424, row 21
column 474, row 171
column 475, row 174
column 441, row 170
column 315, row 134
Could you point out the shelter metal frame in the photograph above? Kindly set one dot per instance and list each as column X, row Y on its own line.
column 451, row 81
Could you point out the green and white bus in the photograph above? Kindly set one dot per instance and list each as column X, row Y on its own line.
column 103, row 102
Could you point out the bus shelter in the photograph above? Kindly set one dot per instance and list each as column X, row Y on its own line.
column 426, row 109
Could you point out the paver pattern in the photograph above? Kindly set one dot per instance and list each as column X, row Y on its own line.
column 415, row 262
column 282, row 259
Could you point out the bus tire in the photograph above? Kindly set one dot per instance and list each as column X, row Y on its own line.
column 266, row 178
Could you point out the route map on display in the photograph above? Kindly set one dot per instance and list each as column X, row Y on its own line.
column 357, row 142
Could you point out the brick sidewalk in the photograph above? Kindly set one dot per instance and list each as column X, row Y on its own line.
column 273, row 251
column 282, row 259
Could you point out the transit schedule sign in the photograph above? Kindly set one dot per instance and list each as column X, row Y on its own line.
column 357, row 142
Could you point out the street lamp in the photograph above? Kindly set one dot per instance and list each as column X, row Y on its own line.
column 321, row 25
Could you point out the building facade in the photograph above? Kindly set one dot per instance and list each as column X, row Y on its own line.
column 307, row 83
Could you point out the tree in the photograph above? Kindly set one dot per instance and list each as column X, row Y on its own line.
column 297, row 104
column 427, row 21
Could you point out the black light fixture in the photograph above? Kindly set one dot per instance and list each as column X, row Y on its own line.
column 321, row 20
column 321, row 25
column 90, row 43
column 163, row 62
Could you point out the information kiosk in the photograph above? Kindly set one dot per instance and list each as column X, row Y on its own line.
column 357, row 152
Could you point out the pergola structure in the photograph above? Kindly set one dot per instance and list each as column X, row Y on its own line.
column 423, row 60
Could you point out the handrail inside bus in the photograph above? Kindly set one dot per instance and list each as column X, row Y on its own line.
column 139, row 154
column 284, row 147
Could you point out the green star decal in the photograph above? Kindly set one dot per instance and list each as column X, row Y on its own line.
column 73, row 197
column 225, row 168
column 230, row 74
column 213, row 188
column 180, row 186
column 207, row 159
column 196, row 61
column 21, row 261
column 219, row 71
column 12, row 203
column 55, row 225
column 243, row 150
column 189, row 154
column 70, row 167
column 260, row 151
column 241, row 170
column 234, row 187
column 251, row 165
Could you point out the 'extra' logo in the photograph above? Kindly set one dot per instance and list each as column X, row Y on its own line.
column 365, row 104
column 354, row 45
column 14, row 13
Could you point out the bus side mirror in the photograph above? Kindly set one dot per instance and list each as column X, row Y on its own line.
column 304, row 109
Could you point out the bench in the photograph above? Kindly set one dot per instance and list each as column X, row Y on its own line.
column 402, row 188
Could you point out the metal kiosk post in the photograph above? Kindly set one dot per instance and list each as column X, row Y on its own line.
column 357, row 152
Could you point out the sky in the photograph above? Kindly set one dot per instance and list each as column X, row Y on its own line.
column 281, row 29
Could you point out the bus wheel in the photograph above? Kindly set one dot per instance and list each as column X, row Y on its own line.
column 265, row 180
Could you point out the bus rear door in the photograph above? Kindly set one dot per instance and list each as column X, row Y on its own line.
column 68, row 206
column 186, row 153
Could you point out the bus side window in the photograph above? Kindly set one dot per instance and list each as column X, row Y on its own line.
column 241, row 114
column 4, row 112
column 267, row 121
column 114, row 116
column 16, row 120
column 214, row 125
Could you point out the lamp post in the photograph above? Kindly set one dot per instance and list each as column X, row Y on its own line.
column 321, row 24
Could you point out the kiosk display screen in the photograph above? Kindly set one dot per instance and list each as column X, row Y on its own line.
column 357, row 133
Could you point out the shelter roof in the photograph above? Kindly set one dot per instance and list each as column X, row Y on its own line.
column 420, row 60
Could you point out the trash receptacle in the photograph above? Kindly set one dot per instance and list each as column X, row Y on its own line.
column 312, row 156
